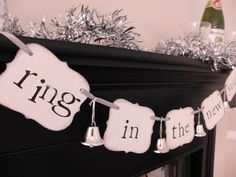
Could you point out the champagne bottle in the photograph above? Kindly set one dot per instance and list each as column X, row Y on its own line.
column 213, row 14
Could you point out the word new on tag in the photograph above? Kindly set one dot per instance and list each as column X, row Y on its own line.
column 213, row 109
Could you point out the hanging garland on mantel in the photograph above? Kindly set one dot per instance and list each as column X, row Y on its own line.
column 219, row 56
column 52, row 99
column 112, row 29
column 13, row 26
column 84, row 26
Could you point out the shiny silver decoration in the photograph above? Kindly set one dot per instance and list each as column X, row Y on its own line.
column 14, row 27
column 226, row 103
column 90, row 27
column 200, row 132
column 161, row 146
column 92, row 137
column 3, row 15
column 10, row 24
column 219, row 56
column 226, row 106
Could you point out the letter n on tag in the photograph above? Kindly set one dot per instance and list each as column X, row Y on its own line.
column 130, row 128
column 213, row 109
column 230, row 85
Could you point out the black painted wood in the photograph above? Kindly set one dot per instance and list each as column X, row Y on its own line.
column 157, row 81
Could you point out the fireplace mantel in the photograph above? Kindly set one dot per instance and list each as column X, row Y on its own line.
column 157, row 81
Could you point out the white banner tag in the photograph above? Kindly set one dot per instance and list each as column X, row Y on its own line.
column 213, row 109
column 180, row 127
column 42, row 88
column 230, row 85
column 130, row 128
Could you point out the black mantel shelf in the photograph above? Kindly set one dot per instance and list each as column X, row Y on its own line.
column 157, row 81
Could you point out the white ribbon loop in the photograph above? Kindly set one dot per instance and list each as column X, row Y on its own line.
column 198, row 110
column 99, row 100
column 159, row 118
column 17, row 42
column 93, row 103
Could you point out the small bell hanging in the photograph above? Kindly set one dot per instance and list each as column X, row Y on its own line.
column 161, row 145
column 200, row 131
column 226, row 103
column 92, row 137
column 199, row 128
column 226, row 106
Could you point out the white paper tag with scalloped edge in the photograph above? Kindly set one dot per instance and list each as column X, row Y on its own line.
column 230, row 85
column 180, row 127
column 130, row 128
column 213, row 109
column 43, row 88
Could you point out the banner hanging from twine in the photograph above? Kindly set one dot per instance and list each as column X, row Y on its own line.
column 31, row 86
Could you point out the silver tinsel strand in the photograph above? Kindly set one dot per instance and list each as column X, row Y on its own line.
column 12, row 26
column 89, row 27
column 220, row 56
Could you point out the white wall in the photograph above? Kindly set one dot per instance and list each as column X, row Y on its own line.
column 154, row 20
column 225, row 155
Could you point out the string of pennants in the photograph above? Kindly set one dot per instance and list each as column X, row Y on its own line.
column 43, row 88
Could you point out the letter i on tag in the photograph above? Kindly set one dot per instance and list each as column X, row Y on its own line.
column 42, row 87
column 129, row 129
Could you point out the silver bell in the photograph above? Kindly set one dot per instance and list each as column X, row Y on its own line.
column 200, row 131
column 161, row 146
column 226, row 106
column 92, row 137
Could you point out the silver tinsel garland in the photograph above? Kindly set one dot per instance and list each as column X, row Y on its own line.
column 220, row 56
column 89, row 27
column 12, row 26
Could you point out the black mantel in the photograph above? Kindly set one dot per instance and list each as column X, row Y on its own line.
column 157, row 81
